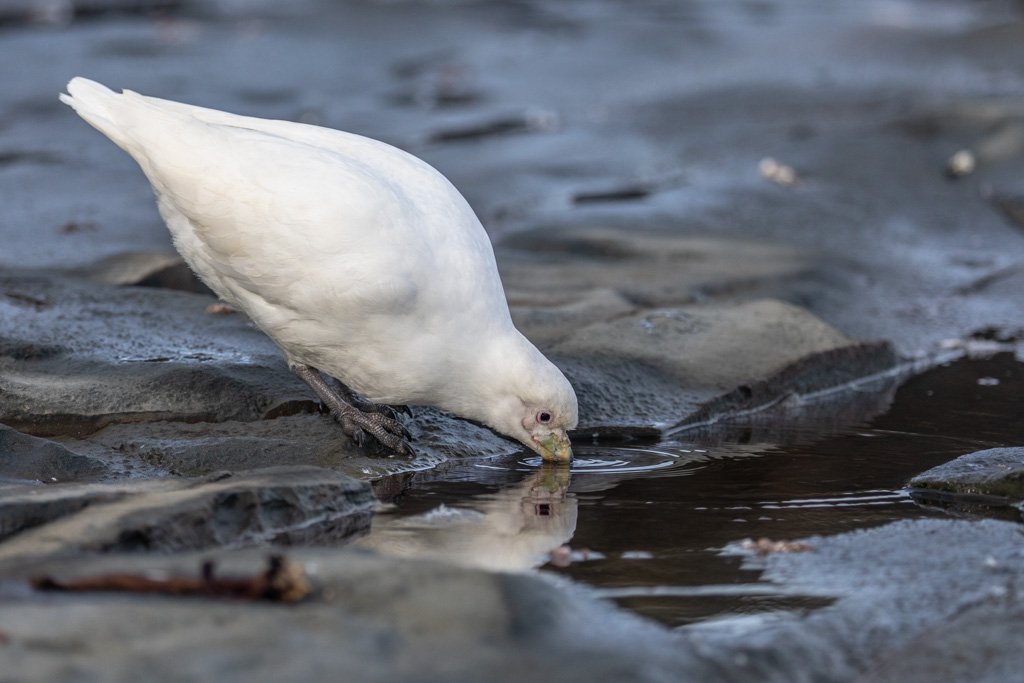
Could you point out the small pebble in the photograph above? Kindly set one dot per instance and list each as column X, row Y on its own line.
column 960, row 164
column 780, row 174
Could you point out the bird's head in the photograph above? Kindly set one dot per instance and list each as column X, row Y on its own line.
column 546, row 429
column 537, row 410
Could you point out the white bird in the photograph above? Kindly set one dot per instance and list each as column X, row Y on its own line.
column 362, row 262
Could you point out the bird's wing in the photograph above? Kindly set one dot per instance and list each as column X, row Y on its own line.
column 269, row 203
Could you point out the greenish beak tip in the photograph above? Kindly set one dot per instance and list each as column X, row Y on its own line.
column 555, row 447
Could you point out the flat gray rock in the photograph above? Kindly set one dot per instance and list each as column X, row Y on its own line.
column 194, row 449
column 179, row 390
column 687, row 364
column 260, row 506
column 26, row 507
column 75, row 357
column 896, row 588
column 375, row 619
column 975, row 645
column 163, row 387
column 647, row 268
column 28, row 458
column 992, row 472
column 926, row 592
column 988, row 482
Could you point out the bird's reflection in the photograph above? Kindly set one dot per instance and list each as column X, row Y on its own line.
column 512, row 530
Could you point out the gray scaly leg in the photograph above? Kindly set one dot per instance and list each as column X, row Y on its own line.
column 355, row 422
column 357, row 401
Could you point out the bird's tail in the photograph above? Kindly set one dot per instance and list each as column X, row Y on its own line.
column 103, row 108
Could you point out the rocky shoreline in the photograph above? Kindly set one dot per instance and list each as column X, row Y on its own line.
column 612, row 150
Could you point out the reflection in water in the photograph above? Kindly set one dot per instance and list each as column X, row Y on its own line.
column 511, row 530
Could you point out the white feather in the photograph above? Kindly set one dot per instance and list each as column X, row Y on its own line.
column 353, row 256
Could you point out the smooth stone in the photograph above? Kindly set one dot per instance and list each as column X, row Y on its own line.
column 282, row 504
column 696, row 363
column 195, row 449
column 376, row 619
column 546, row 320
column 894, row 587
column 29, row 458
column 991, row 472
column 25, row 507
column 988, row 482
column 974, row 645
column 647, row 268
column 78, row 356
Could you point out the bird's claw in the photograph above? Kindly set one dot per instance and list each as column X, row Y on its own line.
column 362, row 426
column 390, row 411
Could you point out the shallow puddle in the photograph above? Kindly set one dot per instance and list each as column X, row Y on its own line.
column 646, row 525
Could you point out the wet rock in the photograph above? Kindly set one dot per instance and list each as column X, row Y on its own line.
column 1012, row 206
column 436, row 83
column 646, row 268
column 971, row 646
column 28, row 458
column 26, row 507
column 145, row 380
column 979, row 482
column 525, row 122
column 545, row 320
column 282, row 504
column 16, row 12
column 620, row 398
column 624, row 193
column 183, row 449
column 895, row 588
column 79, row 356
column 160, row 269
column 376, row 619
column 995, row 471
column 713, row 347
column 739, row 356
column 1007, row 277
column 11, row 157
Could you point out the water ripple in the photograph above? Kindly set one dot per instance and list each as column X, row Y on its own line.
column 615, row 460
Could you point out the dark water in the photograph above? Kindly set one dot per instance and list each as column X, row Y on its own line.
column 646, row 524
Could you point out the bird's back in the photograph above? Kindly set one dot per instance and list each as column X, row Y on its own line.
column 330, row 241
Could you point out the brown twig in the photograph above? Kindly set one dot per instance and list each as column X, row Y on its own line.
column 282, row 581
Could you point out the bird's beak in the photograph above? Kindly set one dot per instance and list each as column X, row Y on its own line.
column 555, row 447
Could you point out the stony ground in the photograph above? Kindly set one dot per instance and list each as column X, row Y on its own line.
column 618, row 154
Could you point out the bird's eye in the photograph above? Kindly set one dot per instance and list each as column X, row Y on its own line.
column 543, row 417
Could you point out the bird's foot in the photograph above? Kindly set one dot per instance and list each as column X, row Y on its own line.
column 362, row 426
column 359, row 418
